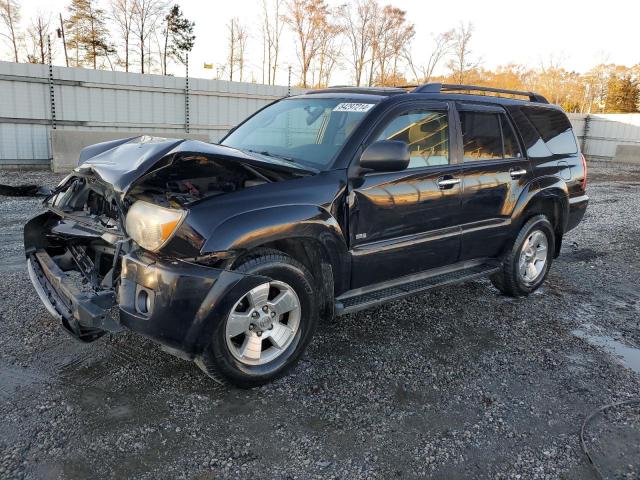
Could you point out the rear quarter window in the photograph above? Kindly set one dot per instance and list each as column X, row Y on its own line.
column 553, row 132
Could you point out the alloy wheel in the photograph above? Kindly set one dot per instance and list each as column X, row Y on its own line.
column 263, row 323
column 533, row 256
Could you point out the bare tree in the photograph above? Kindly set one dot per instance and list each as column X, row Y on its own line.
column 122, row 14
column 308, row 21
column 596, row 82
column 242, row 35
column 38, row 32
column 442, row 45
column 10, row 16
column 357, row 19
column 329, row 54
column 393, row 32
column 272, row 26
column 237, row 41
column 146, row 16
column 463, row 59
column 232, row 47
column 551, row 78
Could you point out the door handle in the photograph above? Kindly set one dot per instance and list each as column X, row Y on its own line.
column 517, row 172
column 444, row 183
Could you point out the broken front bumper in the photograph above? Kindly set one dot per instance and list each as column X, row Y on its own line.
column 84, row 315
column 175, row 303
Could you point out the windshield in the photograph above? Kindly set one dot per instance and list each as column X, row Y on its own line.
column 309, row 131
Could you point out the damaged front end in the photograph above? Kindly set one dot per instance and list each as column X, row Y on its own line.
column 95, row 275
column 73, row 256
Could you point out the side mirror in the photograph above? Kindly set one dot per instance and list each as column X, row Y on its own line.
column 385, row 156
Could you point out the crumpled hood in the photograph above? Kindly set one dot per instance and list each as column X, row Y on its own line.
column 122, row 162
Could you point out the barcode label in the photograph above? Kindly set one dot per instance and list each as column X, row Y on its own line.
column 353, row 107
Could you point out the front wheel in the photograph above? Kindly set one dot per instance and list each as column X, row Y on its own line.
column 527, row 264
column 268, row 328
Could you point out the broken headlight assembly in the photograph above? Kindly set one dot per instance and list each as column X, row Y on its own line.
column 151, row 226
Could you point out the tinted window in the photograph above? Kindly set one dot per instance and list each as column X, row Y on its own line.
column 553, row 128
column 511, row 145
column 481, row 136
column 426, row 133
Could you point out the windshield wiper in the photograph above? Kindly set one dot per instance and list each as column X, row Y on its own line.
column 285, row 158
column 274, row 155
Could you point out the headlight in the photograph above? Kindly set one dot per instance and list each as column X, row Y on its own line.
column 151, row 226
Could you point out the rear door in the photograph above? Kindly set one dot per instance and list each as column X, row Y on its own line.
column 407, row 221
column 494, row 173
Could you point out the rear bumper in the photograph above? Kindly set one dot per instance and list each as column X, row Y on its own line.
column 185, row 301
column 577, row 209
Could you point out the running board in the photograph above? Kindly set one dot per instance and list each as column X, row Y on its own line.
column 361, row 298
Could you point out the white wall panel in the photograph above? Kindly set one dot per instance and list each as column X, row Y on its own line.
column 93, row 100
column 97, row 100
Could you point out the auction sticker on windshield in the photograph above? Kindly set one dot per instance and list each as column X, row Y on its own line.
column 353, row 107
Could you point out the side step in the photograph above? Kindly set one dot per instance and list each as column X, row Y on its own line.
column 361, row 298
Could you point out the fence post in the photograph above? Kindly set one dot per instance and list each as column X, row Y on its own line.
column 585, row 133
column 52, row 100
column 186, row 96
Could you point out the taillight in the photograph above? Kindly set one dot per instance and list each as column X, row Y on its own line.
column 584, row 168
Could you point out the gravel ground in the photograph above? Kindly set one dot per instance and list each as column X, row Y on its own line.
column 459, row 383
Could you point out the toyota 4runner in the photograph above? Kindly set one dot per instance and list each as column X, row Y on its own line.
column 317, row 205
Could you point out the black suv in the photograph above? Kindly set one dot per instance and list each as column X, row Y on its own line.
column 319, row 204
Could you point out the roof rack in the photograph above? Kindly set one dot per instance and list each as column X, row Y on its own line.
column 448, row 87
column 354, row 89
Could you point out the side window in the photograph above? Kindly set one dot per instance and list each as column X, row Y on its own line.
column 511, row 145
column 554, row 129
column 426, row 132
column 481, row 136
column 488, row 136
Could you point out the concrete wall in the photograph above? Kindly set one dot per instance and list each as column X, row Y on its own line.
column 628, row 154
column 87, row 101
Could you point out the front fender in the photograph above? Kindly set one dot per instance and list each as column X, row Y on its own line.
column 257, row 227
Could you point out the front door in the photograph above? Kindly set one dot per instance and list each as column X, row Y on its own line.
column 494, row 174
column 405, row 222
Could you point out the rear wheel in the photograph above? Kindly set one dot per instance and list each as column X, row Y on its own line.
column 268, row 328
column 527, row 264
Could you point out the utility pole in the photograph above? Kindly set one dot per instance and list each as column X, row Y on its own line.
column 64, row 41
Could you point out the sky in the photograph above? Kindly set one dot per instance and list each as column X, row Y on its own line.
column 576, row 34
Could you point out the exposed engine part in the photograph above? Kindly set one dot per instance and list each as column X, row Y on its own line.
column 194, row 177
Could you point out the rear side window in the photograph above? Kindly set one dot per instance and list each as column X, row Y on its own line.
column 487, row 136
column 554, row 130
column 511, row 145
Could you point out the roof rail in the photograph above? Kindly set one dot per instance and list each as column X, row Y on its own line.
column 448, row 87
column 355, row 89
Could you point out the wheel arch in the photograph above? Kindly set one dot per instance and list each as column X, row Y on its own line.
column 307, row 233
column 548, row 196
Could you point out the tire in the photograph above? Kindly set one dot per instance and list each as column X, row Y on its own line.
column 510, row 280
column 227, row 359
